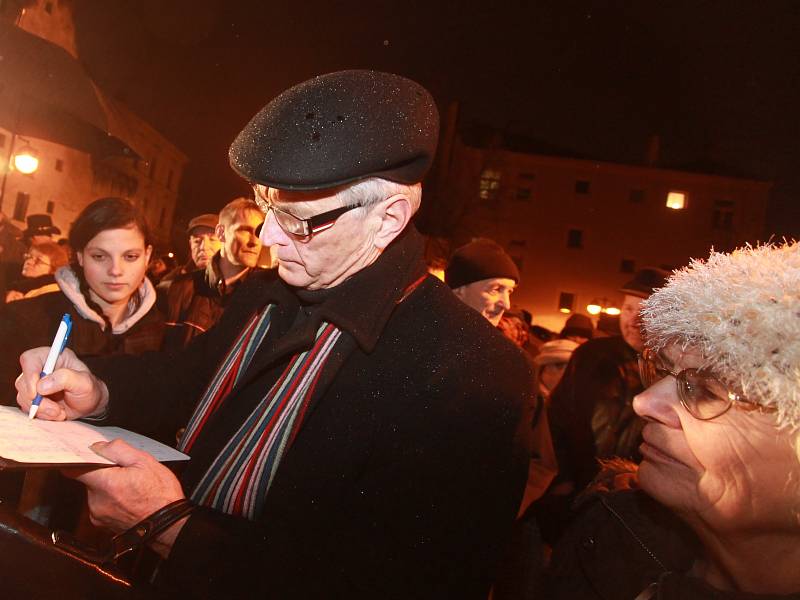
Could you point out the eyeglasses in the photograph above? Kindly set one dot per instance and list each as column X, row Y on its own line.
column 302, row 228
column 37, row 260
column 703, row 396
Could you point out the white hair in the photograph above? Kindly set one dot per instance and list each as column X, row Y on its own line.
column 742, row 312
column 368, row 192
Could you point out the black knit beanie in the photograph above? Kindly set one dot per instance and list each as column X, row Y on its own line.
column 480, row 259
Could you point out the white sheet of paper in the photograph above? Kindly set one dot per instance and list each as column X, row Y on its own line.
column 38, row 441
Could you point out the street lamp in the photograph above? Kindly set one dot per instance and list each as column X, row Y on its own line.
column 602, row 306
column 26, row 161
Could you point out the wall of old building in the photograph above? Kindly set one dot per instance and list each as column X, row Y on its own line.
column 582, row 227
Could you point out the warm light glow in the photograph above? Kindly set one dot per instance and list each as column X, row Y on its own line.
column 171, row 254
column 676, row 200
column 594, row 309
column 437, row 272
column 613, row 310
column 564, row 310
column 26, row 162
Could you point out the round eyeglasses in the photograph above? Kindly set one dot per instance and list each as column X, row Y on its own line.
column 302, row 228
column 37, row 260
column 702, row 395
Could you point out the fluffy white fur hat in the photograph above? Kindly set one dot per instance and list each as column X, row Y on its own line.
column 742, row 311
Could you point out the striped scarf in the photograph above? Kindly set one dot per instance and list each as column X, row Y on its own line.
column 238, row 479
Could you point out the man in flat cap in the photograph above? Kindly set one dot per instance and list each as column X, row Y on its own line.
column 483, row 276
column 591, row 409
column 196, row 301
column 203, row 244
column 348, row 439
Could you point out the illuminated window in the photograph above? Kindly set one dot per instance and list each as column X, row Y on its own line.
column 566, row 302
column 677, row 200
column 490, row 184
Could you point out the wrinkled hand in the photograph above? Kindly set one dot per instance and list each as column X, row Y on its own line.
column 70, row 392
column 121, row 496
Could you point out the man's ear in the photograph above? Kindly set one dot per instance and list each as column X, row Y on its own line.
column 395, row 213
column 219, row 230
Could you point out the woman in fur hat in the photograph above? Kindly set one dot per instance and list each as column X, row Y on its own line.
column 718, row 509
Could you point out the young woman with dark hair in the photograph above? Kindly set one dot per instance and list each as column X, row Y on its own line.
column 104, row 289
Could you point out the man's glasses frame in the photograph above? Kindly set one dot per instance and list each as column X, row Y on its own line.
column 301, row 228
column 702, row 395
column 37, row 260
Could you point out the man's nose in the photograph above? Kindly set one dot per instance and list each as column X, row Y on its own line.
column 660, row 402
column 505, row 300
column 271, row 232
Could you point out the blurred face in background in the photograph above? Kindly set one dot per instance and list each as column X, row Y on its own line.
column 551, row 374
column 240, row 242
column 203, row 244
column 630, row 322
column 490, row 297
column 36, row 264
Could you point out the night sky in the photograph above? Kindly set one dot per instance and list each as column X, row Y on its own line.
column 719, row 82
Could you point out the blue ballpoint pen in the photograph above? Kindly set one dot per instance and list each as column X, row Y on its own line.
column 59, row 343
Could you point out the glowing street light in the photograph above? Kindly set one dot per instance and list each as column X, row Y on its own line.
column 602, row 306
column 594, row 308
column 26, row 161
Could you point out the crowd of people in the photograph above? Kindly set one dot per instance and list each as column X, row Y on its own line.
column 358, row 428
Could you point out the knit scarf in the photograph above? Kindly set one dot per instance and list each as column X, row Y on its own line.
column 238, row 479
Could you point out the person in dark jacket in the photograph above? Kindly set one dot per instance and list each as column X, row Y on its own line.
column 717, row 512
column 196, row 301
column 203, row 244
column 591, row 409
column 349, row 437
column 104, row 290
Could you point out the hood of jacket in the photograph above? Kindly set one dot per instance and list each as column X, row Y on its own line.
column 68, row 283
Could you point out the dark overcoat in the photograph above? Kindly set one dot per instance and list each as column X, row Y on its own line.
column 407, row 473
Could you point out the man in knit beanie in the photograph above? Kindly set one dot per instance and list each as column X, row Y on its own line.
column 483, row 276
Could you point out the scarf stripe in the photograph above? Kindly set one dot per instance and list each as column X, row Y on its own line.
column 238, row 479
column 227, row 375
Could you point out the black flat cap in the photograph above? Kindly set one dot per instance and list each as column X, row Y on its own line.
column 339, row 128
column 645, row 282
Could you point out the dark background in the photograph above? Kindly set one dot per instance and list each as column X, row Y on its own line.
column 719, row 82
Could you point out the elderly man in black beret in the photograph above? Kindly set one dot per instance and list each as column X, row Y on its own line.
column 347, row 437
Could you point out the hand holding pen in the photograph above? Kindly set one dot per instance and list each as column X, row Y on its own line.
column 60, row 341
